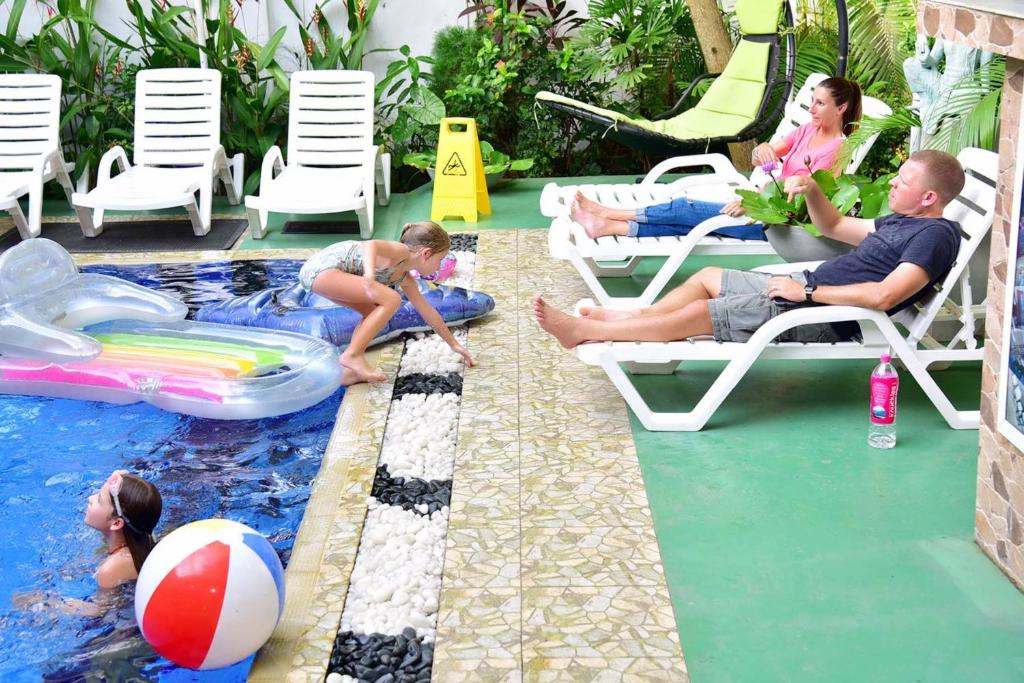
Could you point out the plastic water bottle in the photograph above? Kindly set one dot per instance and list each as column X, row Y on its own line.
column 884, row 385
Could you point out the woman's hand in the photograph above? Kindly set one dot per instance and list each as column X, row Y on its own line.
column 764, row 154
column 734, row 209
column 782, row 287
column 464, row 352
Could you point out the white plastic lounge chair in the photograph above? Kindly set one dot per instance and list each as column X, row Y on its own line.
column 177, row 153
column 30, row 153
column 568, row 240
column 974, row 211
column 333, row 164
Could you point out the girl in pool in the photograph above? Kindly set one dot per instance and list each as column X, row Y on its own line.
column 835, row 111
column 125, row 510
column 366, row 277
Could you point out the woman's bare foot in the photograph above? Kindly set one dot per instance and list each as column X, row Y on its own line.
column 598, row 313
column 590, row 206
column 356, row 370
column 563, row 327
column 595, row 226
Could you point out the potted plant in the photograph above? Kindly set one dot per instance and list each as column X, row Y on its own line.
column 496, row 163
column 788, row 226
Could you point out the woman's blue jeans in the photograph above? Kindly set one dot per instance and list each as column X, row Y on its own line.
column 681, row 215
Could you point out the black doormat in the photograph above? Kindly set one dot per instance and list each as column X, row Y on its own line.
column 134, row 236
column 319, row 227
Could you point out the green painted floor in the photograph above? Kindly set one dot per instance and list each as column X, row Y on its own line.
column 794, row 552
column 514, row 205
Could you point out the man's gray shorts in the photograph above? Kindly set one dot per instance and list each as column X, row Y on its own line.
column 743, row 305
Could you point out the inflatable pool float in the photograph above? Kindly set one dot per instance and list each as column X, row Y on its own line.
column 295, row 309
column 95, row 337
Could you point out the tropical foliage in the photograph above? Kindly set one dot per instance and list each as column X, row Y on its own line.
column 98, row 106
column 851, row 195
column 633, row 55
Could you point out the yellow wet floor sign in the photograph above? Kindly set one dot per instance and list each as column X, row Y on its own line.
column 460, row 189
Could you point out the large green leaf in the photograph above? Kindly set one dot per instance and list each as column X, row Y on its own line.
column 266, row 53
column 424, row 106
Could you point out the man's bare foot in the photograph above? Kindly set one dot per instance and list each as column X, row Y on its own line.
column 563, row 327
column 593, row 225
column 590, row 206
column 355, row 370
column 598, row 313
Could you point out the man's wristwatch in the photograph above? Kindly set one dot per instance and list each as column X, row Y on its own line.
column 809, row 292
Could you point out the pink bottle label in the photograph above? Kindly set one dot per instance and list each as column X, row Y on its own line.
column 883, row 399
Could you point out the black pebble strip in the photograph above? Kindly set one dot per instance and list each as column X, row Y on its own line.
column 419, row 383
column 463, row 242
column 385, row 659
column 411, row 492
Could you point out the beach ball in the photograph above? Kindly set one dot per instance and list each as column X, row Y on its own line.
column 210, row 594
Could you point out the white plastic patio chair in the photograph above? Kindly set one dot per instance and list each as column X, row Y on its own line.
column 333, row 164
column 974, row 211
column 177, row 153
column 30, row 153
column 615, row 256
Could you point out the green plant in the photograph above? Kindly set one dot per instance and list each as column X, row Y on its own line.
column 515, row 58
column 325, row 48
column 556, row 15
column 97, row 99
column 493, row 160
column 645, row 49
column 853, row 195
column 453, row 53
column 408, row 111
column 254, row 87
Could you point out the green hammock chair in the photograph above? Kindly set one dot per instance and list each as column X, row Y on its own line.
column 744, row 101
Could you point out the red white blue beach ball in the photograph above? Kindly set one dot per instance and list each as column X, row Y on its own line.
column 210, row 594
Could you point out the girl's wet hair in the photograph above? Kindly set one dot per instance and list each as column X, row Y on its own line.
column 141, row 505
column 425, row 234
column 845, row 91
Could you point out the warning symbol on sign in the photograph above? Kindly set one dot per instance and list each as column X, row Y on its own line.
column 454, row 166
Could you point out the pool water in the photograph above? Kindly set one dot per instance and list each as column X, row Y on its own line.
column 56, row 452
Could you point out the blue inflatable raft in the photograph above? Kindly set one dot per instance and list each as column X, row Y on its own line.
column 295, row 309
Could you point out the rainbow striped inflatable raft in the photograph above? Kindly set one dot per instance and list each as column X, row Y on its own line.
column 94, row 337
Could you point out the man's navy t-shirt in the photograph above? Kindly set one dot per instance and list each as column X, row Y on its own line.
column 931, row 243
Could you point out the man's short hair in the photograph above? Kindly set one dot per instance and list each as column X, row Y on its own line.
column 943, row 173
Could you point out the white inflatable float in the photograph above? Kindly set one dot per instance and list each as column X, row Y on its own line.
column 94, row 337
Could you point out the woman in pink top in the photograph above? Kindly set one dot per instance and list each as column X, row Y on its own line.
column 835, row 111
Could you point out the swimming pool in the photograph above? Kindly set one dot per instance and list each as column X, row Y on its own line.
column 56, row 452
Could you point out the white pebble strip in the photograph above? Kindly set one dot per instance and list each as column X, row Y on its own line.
column 429, row 354
column 397, row 577
column 420, row 437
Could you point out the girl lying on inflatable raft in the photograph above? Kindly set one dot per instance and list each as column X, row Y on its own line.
column 365, row 278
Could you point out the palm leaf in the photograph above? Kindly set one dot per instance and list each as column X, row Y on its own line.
column 971, row 111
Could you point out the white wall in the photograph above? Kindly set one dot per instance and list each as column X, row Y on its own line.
column 396, row 23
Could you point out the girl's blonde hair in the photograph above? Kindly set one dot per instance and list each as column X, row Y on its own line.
column 425, row 234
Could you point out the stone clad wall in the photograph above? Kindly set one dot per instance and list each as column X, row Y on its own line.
column 999, row 509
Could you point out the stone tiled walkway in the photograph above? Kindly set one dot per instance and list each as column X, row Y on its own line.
column 552, row 571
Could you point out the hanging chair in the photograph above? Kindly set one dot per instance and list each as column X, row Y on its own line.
column 744, row 101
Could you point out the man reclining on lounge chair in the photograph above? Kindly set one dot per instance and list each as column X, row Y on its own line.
column 897, row 259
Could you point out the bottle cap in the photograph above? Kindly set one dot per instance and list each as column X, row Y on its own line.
column 886, row 358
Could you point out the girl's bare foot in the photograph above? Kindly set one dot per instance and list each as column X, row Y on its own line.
column 590, row 206
column 593, row 225
column 598, row 313
column 563, row 327
column 355, row 370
